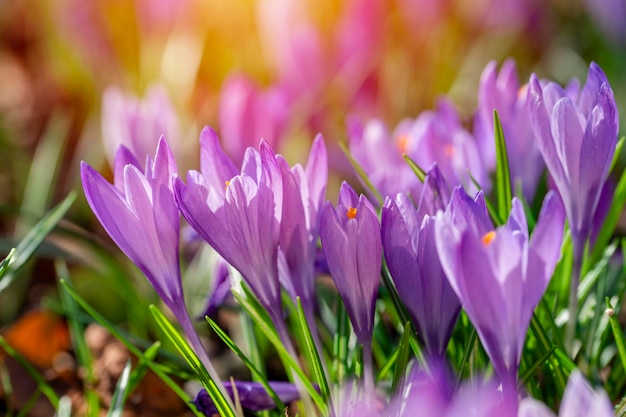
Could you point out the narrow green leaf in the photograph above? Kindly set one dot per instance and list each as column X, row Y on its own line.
column 340, row 343
column 561, row 362
column 503, row 173
column 617, row 332
column 362, row 174
column 99, row 318
column 316, row 361
column 42, row 384
column 142, row 367
column 618, row 151
column 25, row 410
column 253, row 369
column 469, row 346
column 121, row 391
column 4, row 265
column 260, row 317
column 417, row 170
column 402, row 362
column 386, row 368
column 530, row 372
column 192, row 359
column 27, row 247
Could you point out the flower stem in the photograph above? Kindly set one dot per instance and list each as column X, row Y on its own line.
column 570, row 331
column 368, row 371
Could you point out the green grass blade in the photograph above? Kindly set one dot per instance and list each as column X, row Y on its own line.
column 362, row 174
column 417, row 170
column 42, row 384
column 618, row 151
column 4, row 265
column 402, row 361
column 25, row 410
column 253, row 369
column 469, row 346
column 503, row 173
column 192, row 359
column 77, row 335
column 340, row 343
column 316, row 361
column 617, row 332
column 530, row 372
column 260, row 317
column 121, row 392
column 100, row 319
column 27, row 247
column 142, row 367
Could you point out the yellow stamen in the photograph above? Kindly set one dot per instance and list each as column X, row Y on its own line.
column 488, row 238
column 351, row 213
column 226, row 184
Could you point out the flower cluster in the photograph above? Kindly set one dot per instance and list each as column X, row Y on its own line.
column 443, row 248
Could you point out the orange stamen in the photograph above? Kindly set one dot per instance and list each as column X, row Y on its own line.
column 351, row 213
column 402, row 143
column 488, row 238
column 448, row 150
column 226, row 184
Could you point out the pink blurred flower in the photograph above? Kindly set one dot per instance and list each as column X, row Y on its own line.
column 138, row 123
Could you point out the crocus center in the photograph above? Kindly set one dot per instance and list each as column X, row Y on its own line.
column 351, row 213
column 226, row 184
column 488, row 238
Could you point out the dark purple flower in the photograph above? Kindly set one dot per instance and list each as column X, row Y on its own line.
column 499, row 275
column 502, row 92
column 576, row 133
column 252, row 396
column 351, row 241
column 408, row 237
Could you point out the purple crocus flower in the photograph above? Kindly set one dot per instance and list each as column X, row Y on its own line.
column 411, row 255
column 352, row 245
column 372, row 147
column 502, row 92
column 437, row 136
column 239, row 216
column 576, row 133
column 304, row 189
column 248, row 114
column 579, row 400
column 431, row 392
column 140, row 214
column 137, row 123
column 252, row 396
column 499, row 275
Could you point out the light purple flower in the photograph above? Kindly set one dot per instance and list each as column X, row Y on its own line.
column 137, row 123
column 437, row 136
column 140, row 215
column 502, row 92
column 576, row 133
column 408, row 237
column 430, row 393
column 579, row 400
column 248, row 114
column 352, row 245
column 372, row 147
column 499, row 275
column 252, row 396
column 239, row 216
column 304, row 189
